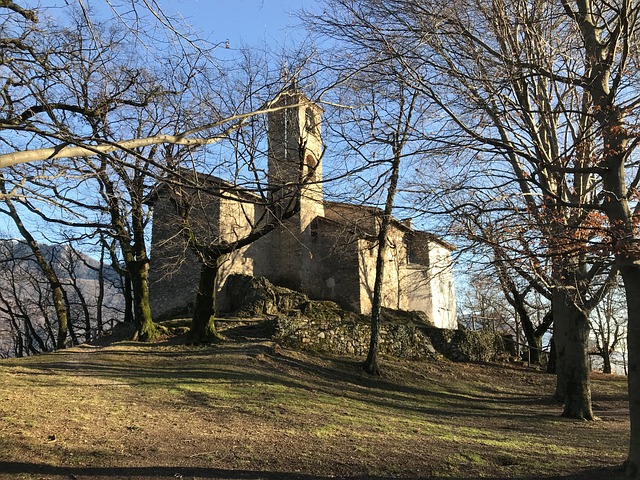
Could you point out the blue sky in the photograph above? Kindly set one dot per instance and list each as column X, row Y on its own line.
column 243, row 21
column 250, row 22
column 240, row 22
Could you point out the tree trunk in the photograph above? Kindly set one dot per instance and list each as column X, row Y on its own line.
column 59, row 306
column 100, row 298
column 535, row 349
column 18, row 343
column 631, row 277
column 145, row 330
column 534, row 339
column 128, row 298
column 203, row 327
column 571, row 335
column 51, row 339
column 552, row 364
column 371, row 365
column 29, row 326
column 70, row 325
column 29, row 341
column 606, row 360
column 85, row 308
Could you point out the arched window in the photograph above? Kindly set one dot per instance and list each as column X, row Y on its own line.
column 311, row 123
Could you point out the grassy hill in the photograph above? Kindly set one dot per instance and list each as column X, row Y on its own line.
column 251, row 410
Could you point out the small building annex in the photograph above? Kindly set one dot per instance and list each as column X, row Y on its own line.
column 327, row 250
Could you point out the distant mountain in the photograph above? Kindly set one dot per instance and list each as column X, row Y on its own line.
column 85, row 267
column 27, row 318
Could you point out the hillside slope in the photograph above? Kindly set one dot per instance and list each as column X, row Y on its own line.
column 249, row 409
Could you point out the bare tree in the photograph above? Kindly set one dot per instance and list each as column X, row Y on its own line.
column 57, row 290
column 609, row 325
column 503, row 123
column 91, row 294
column 212, row 245
column 548, row 90
column 375, row 119
column 45, row 52
column 387, row 115
column 502, row 246
column 19, row 307
column 105, row 137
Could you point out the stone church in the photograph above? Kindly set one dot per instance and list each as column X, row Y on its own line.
column 326, row 250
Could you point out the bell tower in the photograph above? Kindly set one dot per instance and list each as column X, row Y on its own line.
column 295, row 157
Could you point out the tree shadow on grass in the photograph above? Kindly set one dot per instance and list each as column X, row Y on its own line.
column 168, row 472
column 168, row 366
column 272, row 365
column 262, row 362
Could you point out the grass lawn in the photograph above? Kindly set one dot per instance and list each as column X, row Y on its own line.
column 248, row 409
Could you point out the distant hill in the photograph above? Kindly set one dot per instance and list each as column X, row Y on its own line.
column 85, row 266
column 27, row 318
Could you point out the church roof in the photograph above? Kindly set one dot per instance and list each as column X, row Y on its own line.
column 362, row 219
column 207, row 183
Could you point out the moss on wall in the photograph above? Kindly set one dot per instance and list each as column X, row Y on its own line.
column 324, row 326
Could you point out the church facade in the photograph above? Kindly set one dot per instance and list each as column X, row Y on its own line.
column 327, row 250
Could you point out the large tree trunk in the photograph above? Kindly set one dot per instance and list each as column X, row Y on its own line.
column 534, row 344
column 131, row 239
column 552, row 364
column 571, row 335
column 625, row 244
column 631, row 277
column 145, row 330
column 203, row 327
column 615, row 137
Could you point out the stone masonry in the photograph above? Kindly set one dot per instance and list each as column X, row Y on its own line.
column 327, row 250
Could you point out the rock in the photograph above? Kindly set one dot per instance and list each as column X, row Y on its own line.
column 324, row 326
column 254, row 296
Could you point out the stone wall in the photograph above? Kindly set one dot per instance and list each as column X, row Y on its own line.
column 324, row 326
column 350, row 336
